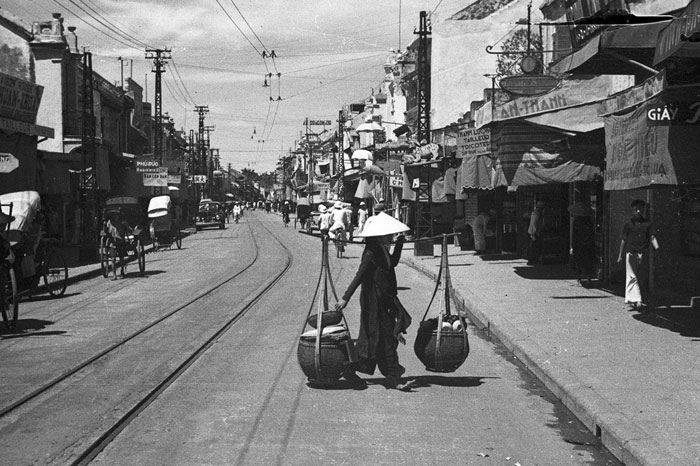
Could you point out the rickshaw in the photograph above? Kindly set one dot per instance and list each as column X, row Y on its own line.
column 130, row 210
column 164, row 226
column 35, row 256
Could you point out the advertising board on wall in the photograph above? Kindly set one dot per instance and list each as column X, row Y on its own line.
column 473, row 142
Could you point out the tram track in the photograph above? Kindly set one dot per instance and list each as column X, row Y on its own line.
column 96, row 445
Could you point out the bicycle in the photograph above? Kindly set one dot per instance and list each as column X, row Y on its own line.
column 285, row 219
column 339, row 236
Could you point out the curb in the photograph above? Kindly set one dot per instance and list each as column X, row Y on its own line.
column 625, row 440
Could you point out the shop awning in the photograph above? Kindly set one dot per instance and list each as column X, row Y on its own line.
column 613, row 50
column 534, row 155
column 670, row 40
column 480, row 172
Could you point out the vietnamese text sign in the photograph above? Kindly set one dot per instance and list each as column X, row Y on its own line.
column 147, row 165
column 571, row 93
column 8, row 162
column 396, row 181
column 634, row 96
column 173, row 179
column 19, row 99
column 199, row 179
column 319, row 122
column 637, row 153
column 155, row 179
column 473, row 142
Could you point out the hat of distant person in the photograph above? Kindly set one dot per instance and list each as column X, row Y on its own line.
column 321, row 208
column 338, row 205
column 362, row 203
column 379, row 207
column 381, row 225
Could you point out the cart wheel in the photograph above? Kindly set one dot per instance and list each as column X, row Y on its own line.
column 104, row 257
column 9, row 301
column 141, row 257
column 55, row 273
column 178, row 239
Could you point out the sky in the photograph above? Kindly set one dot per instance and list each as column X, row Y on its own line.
column 327, row 54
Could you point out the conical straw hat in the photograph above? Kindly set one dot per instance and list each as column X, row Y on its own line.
column 380, row 225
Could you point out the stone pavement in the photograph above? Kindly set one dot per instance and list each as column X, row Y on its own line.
column 631, row 377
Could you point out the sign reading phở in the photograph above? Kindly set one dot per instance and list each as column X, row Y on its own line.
column 8, row 162
column 473, row 142
column 147, row 165
column 19, row 99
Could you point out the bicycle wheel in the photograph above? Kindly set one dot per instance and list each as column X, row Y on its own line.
column 55, row 273
column 9, row 301
column 178, row 239
column 104, row 257
column 141, row 256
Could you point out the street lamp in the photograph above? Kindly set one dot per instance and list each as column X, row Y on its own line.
column 368, row 132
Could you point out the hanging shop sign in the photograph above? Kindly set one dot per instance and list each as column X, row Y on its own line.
column 147, row 165
column 19, row 99
column 8, row 162
column 396, row 181
column 529, row 84
column 319, row 122
column 634, row 96
column 637, row 153
column 173, row 179
column 155, row 179
column 571, row 93
column 473, row 142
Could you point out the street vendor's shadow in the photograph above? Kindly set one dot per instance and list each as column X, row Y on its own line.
column 680, row 317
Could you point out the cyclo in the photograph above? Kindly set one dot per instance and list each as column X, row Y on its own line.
column 32, row 256
column 163, row 225
column 122, row 216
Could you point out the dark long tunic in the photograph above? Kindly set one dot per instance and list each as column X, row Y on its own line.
column 377, row 343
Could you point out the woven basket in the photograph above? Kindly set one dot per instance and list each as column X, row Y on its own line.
column 327, row 318
column 334, row 354
column 454, row 349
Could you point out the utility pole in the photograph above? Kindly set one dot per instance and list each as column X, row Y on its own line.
column 209, row 163
column 311, row 164
column 88, row 188
column 423, row 68
column 201, row 163
column 341, row 155
column 159, row 57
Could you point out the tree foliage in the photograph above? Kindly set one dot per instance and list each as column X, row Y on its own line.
column 508, row 63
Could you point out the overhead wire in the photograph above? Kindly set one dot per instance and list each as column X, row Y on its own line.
column 109, row 24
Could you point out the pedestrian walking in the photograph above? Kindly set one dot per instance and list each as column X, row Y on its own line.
column 482, row 230
column 637, row 235
column 361, row 216
column 583, row 242
column 383, row 320
column 534, row 255
column 324, row 220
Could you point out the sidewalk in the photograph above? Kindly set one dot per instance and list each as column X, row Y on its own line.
column 631, row 378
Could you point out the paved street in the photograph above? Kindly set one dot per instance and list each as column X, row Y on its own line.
column 245, row 401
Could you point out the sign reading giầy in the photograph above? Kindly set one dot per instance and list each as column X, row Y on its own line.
column 19, row 99
column 637, row 153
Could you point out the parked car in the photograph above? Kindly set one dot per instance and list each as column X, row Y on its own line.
column 210, row 214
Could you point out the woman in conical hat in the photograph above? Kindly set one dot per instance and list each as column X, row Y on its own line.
column 382, row 318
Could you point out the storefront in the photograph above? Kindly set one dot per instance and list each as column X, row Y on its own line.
column 652, row 148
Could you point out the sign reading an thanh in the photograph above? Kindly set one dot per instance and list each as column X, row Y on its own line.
column 529, row 84
column 155, row 179
column 19, row 99
column 571, row 93
column 8, row 162
column 147, row 165
column 473, row 142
